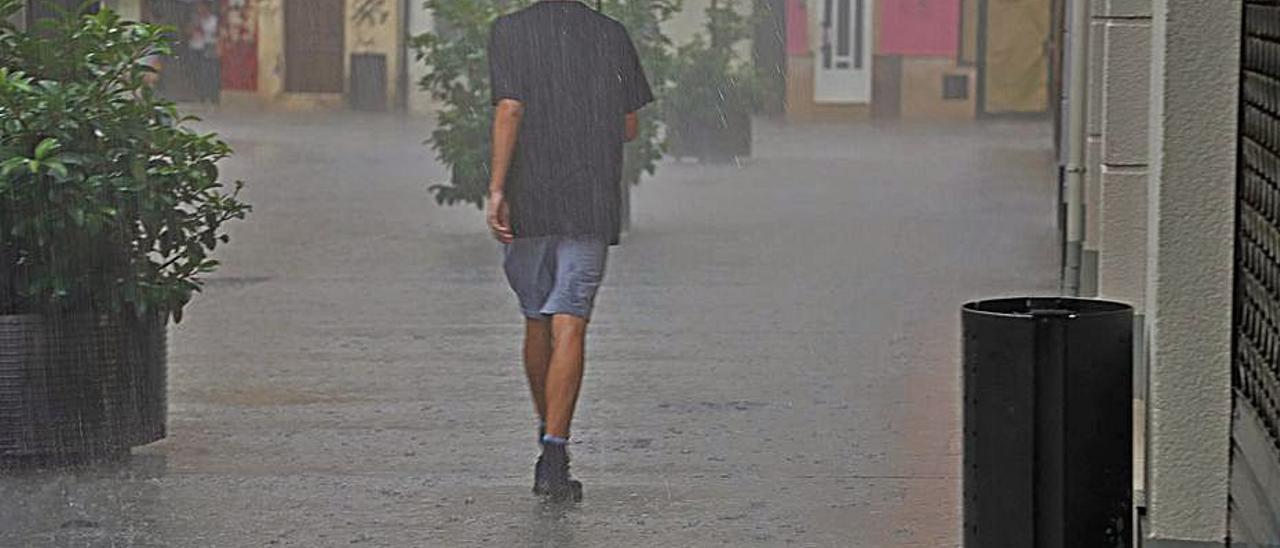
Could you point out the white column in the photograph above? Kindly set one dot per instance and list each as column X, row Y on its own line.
column 1195, row 73
column 1125, row 90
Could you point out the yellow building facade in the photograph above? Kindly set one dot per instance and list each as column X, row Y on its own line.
column 302, row 43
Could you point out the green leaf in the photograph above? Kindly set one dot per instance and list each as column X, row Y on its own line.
column 57, row 169
column 11, row 165
column 45, row 148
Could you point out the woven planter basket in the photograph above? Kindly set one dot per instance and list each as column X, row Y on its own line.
column 80, row 384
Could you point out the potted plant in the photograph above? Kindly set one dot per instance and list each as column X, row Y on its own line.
column 715, row 91
column 458, row 77
column 109, row 210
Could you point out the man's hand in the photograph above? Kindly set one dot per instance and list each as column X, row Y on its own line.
column 499, row 216
column 633, row 126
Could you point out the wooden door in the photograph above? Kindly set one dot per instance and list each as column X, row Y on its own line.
column 313, row 44
column 1015, row 65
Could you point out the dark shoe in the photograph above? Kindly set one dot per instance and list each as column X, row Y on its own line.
column 540, row 476
column 558, row 485
column 539, row 468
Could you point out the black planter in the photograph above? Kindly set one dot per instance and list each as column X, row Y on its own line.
column 80, row 385
column 714, row 140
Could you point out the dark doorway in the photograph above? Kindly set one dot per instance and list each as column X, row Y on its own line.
column 313, row 44
column 886, row 87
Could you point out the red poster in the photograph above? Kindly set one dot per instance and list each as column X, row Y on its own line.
column 239, row 39
column 797, row 28
column 921, row 28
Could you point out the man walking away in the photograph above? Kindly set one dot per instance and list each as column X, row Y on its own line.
column 566, row 85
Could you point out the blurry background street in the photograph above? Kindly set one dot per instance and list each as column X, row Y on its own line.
column 774, row 359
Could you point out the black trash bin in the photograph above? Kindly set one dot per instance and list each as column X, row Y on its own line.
column 368, row 82
column 1048, row 409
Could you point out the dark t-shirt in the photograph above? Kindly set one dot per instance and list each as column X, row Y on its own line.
column 578, row 76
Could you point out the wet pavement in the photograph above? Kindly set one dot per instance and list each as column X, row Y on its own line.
column 774, row 359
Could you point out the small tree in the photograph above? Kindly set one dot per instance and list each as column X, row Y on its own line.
column 108, row 203
column 458, row 76
column 712, row 84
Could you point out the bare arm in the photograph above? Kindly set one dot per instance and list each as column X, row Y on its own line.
column 633, row 126
column 506, row 127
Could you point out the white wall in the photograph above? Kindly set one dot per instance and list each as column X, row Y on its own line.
column 1122, row 38
column 1191, row 205
column 692, row 20
column 1162, row 131
column 128, row 9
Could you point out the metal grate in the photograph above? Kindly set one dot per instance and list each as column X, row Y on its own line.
column 1256, row 367
column 955, row 86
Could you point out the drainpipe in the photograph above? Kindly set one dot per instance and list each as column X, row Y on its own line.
column 403, row 85
column 1077, row 119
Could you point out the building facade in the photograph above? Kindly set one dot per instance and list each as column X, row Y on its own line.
column 331, row 53
column 1183, row 178
column 842, row 60
column 295, row 54
column 920, row 59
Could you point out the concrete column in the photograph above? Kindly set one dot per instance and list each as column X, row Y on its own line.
column 1191, row 204
column 420, row 21
column 1123, row 92
column 270, row 48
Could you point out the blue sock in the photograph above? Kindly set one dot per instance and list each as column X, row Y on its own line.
column 554, row 440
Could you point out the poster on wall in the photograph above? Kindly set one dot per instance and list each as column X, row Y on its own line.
column 1016, row 67
column 919, row 28
column 239, row 45
column 798, row 28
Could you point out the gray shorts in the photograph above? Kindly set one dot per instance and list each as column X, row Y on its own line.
column 556, row 274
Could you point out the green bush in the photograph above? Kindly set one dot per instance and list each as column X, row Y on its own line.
column 108, row 203
column 710, row 79
column 458, row 76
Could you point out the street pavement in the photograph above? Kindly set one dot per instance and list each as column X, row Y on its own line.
column 774, row 360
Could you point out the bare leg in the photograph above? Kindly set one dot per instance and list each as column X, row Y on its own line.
column 537, row 357
column 564, row 376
